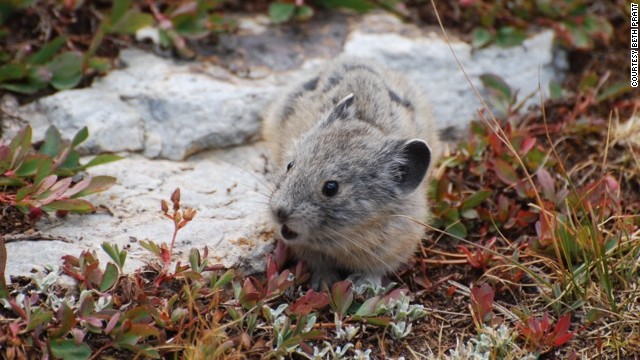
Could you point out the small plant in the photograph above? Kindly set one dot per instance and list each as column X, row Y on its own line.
column 491, row 343
column 60, row 65
column 504, row 23
column 540, row 335
column 482, row 304
column 44, row 180
column 180, row 217
column 283, row 11
column 30, row 74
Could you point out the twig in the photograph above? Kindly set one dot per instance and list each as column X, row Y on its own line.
column 36, row 236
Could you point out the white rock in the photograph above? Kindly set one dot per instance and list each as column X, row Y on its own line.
column 161, row 107
column 428, row 61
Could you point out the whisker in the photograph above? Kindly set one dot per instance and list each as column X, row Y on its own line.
column 364, row 249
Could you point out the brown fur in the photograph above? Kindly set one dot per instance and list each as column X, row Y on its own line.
column 366, row 229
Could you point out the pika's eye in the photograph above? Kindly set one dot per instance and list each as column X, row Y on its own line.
column 330, row 188
column 289, row 166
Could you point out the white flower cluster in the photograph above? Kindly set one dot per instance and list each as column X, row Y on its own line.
column 403, row 314
column 489, row 344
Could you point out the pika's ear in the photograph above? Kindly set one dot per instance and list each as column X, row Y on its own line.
column 344, row 109
column 416, row 156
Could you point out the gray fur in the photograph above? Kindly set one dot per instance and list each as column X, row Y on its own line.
column 365, row 128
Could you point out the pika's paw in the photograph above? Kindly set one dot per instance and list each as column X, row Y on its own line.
column 323, row 276
column 372, row 280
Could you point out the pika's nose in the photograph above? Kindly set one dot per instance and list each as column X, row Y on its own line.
column 282, row 214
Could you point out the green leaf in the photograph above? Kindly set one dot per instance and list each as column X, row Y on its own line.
column 548, row 8
column 368, row 308
column 130, row 22
column 555, row 90
column 70, row 165
column 475, row 199
column 99, row 64
column 143, row 349
column 578, row 37
column 379, row 321
column 102, row 159
column 281, row 12
column 119, row 257
column 224, row 279
column 52, row 142
column 118, row 10
column 614, row 91
column 457, row 229
column 588, row 82
column 195, row 259
column 10, row 72
column 47, row 51
column 138, row 314
column 109, row 277
column 98, row 184
column 509, row 36
column 26, row 88
column 469, row 214
column 39, row 316
column 73, row 205
column 6, row 181
column 497, row 84
column 189, row 24
column 597, row 26
column 67, row 321
column 23, row 193
column 304, row 12
column 39, row 75
column 80, row 137
column 357, row 5
column 20, row 146
column 451, row 215
column 31, row 166
column 67, row 349
column 66, row 70
column 481, row 37
column 151, row 247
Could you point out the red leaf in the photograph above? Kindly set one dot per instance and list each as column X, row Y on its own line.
column 280, row 254
column 165, row 254
column 309, row 302
column 272, row 267
column 496, row 143
column 482, row 300
column 35, row 213
column 612, row 184
column 471, row 257
column 505, row 172
column 527, row 145
column 79, row 186
column 341, row 296
column 560, row 333
column 526, row 217
column 547, row 184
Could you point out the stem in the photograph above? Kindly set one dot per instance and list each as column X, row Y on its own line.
column 4, row 292
column 173, row 239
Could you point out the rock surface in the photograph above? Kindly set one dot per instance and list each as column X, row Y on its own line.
column 225, row 187
column 165, row 109
column 428, row 61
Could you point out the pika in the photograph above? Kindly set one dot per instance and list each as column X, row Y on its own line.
column 352, row 147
